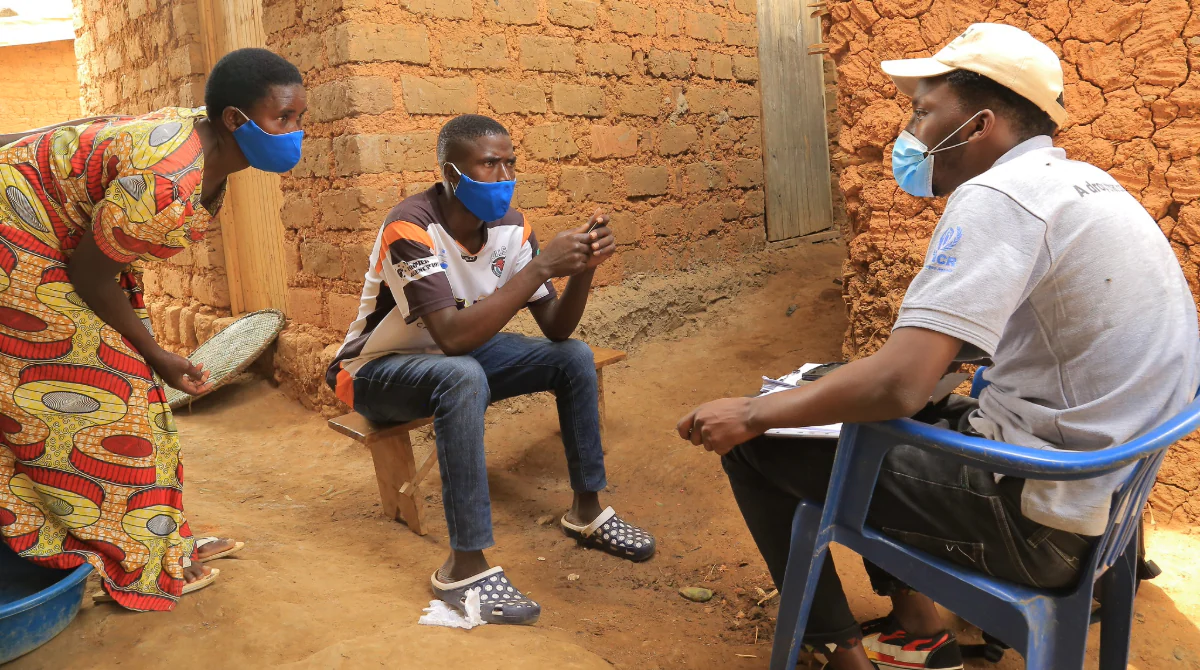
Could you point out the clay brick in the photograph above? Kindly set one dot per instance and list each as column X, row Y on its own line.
column 349, row 97
column 714, row 65
column 673, row 64
column 278, row 17
column 676, row 139
column 297, row 213
column 171, row 322
column 303, row 51
column 211, row 290
column 343, row 310
column 518, row 12
column 304, row 306
column 704, row 176
column 531, row 192
column 744, row 103
column 439, row 95
column 548, row 54
column 705, row 100
column 745, row 68
column 547, row 227
column 582, row 184
column 573, row 13
column 629, row 18
column 702, row 26
column 440, row 9
column 372, row 154
column 746, row 172
column 486, row 52
column 639, row 100
column 339, row 209
column 704, row 218
column 741, row 34
column 550, row 141
column 746, row 6
column 730, row 211
column 204, row 326
column 756, row 203
column 642, row 181
column 666, row 220
column 354, row 42
column 355, row 261
column 321, row 258
column 513, row 97
column 417, row 187
column 607, row 58
column 614, row 141
column 578, row 100
column 624, row 228
column 185, row 61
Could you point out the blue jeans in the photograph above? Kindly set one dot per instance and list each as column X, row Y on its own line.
column 456, row 391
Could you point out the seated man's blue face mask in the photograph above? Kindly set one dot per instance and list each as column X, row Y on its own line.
column 912, row 161
column 487, row 200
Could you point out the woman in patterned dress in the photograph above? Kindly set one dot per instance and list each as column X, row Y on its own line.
column 90, row 468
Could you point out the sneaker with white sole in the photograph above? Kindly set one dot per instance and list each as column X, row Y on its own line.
column 890, row 646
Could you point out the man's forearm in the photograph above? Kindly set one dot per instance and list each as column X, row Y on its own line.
column 859, row 392
column 567, row 310
column 462, row 331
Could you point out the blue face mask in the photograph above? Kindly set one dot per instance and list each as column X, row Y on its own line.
column 912, row 161
column 487, row 200
column 267, row 152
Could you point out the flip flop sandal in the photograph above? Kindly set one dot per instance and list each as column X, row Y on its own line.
column 609, row 533
column 201, row 541
column 499, row 601
column 206, row 580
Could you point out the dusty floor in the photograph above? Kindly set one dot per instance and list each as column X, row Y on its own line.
column 327, row 583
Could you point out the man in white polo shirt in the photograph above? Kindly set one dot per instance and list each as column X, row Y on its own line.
column 1044, row 265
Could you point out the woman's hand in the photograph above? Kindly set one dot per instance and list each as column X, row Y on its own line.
column 179, row 373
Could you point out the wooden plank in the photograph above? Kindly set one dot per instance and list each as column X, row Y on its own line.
column 357, row 427
column 795, row 140
column 251, row 230
column 606, row 357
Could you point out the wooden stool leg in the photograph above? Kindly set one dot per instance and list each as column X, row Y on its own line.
column 395, row 468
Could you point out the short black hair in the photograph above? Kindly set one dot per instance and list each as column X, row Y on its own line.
column 243, row 77
column 463, row 129
column 976, row 91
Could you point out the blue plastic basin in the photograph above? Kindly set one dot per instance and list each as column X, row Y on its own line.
column 36, row 603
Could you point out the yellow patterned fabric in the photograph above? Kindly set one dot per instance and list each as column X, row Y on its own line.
column 90, row 469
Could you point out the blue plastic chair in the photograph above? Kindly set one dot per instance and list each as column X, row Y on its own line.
column 1048, row 628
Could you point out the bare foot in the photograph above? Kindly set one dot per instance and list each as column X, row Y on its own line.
column 195, row 571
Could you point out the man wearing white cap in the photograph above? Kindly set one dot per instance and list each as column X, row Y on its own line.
column 1044, row 265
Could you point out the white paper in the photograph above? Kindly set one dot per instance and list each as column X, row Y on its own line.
column 440, row 614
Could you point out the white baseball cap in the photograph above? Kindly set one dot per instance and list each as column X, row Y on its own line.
column 1005, row 54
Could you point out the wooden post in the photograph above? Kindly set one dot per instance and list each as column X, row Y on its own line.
column 251, row 229
column 795, row 139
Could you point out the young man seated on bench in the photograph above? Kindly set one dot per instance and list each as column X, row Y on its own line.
column 1045, row 265
column 450, row 268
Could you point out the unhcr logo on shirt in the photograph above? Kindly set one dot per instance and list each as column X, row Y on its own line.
column 941, row 259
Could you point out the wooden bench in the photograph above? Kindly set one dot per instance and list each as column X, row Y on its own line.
column 396, row 468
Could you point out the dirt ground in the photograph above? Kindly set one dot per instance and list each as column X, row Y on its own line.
column 326, row 582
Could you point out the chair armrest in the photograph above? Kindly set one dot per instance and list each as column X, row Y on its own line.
column 1030, row 463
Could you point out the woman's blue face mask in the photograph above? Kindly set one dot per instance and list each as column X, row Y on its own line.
column 488, row 200
column 912, row 161
column 267, row 152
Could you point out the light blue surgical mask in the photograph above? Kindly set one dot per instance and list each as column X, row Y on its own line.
column 267, row 152
column 488, row 200
column 912, row 161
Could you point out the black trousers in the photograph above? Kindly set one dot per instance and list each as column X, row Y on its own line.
column 954, row 512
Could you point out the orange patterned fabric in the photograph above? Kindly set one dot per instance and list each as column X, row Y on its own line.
column 90, row 468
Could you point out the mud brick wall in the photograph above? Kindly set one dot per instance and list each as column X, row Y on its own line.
column 39, row 87
column 1133, row 92
column 137, row 56
column 647, row 109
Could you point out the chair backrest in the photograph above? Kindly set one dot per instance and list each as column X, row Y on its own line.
column 1130, row 497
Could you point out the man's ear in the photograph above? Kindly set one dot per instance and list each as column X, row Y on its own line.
column 983, row 125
